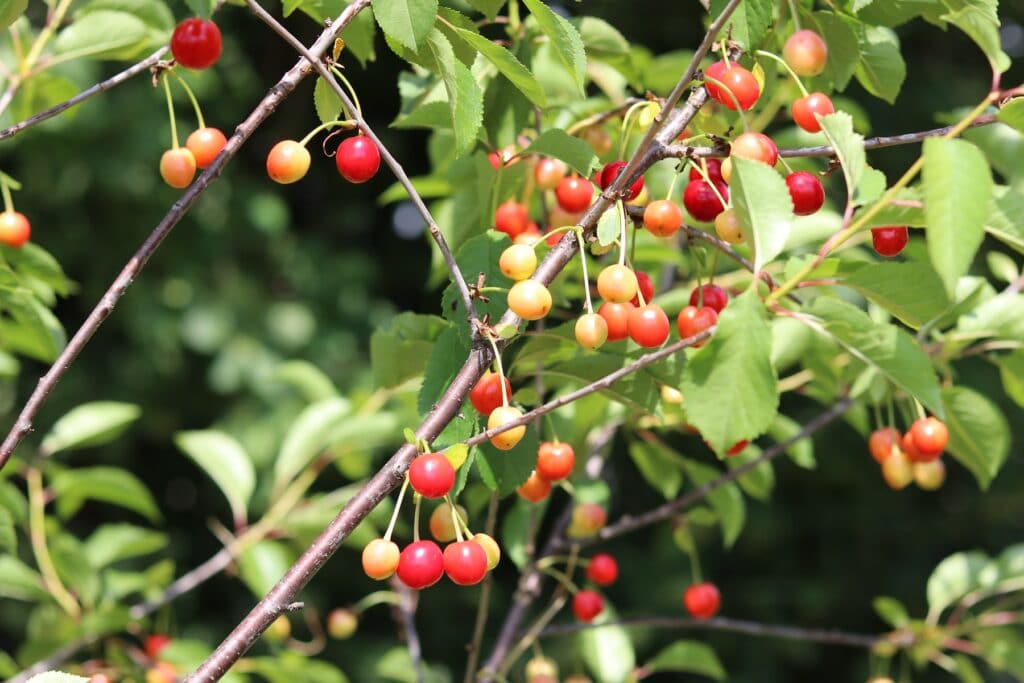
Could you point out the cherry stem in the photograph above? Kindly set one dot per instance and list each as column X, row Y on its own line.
column 713, row 267
column 628, row 122
column 561, row 578
column 192, row 98
column 695, row 567
column 455, row 518
column 796, row 16
column 698, row 260
column 6, row 190
column 702, row 168
column 170, row 114
column 556, row 231
column 732, row 96
column 551, row 426
column 920, row 409
column 621, row 213
column 376, row 598
column 342, row 123
column 586, row 278
column 877, row 411
column 416, row 517
column 501, row 370
column 351, row 91
column 789, row 69
column 398, row 506
column 672, row 186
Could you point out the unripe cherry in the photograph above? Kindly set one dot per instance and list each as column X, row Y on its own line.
column 205, row 144
column 931, row 475
column 15, row 229
column 508, row 439
column 529, row 299
column 518, row 262
column 491, row 548
column 288, row 162
column 727, row 226
column 549, row 172
column 897, row 470
column 535, row 489
column 930, row 436
column 342, row 623
column 380, row 558
column 755, row 146
column 591, row 331
column 663, row 218
column 806, row 53
column 178, row 167
column 442, row 526
column 587, row 520
column 617, row 284
column 279, row 630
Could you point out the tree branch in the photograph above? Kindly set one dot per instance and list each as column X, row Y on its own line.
column 405, row 615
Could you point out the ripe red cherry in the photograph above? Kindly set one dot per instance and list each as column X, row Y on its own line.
column 574, row 193
column 549, row 172
column 535, row 489
column 603, row 569
column 431, row 475
column 421, row 564
column 693, row 321
column 555, row 460
column 644, row 286
column 930, row 437
column 881, row 441
column 14, row 229
column 611, row 171
column 701, row 201
column 357, row 159
column 804, row 109
column 587, row 604
column 909, row 448
column 196, row 43
column 663, row 218
column 205, row 144
column 713, row 297
column 648, row 326
column 465, row 562
column 736, row 80
column 755, row 146
column 178, row 167
column 155, row 643
column 714, row 170
column 380, row 558
column 890, row 240
column 702, row 600
column 806, row 53
column 617, row 317
column 486, row 393
column 737, row 447
column 806, row 192
column 287, row 162
column 511, row 218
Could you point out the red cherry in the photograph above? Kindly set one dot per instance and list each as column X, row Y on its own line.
column 431, row 475
column 14, row 229
column 806, row 192
column 155, row 643
column 603, row 569
column 535, row 489
column 702, row 600
column 806, row 53
column 736, row 80
column 196, row 43
column 611, row 171
column 421, row 564
column 648, row 326
column 511, row 218
column 804, row 109
column 587, row 604
column 881, row 441
column 617, row 317
column 357, row 159
column 693, row 321
column 890, row 240
column 755, row 146
column 930, row 437
column 645, row 286
column 486, row 393
column 663, row 218
column 714, row 170
column 574, row 193
column 701, row 201
column 465, row 562
column 555, row 461
column 205, row 144
column 737, row 447
column 506, row 156
column 713, row 297
column 909, row 448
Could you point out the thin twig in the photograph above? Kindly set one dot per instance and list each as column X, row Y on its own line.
column 485, row 599
column 405, row 615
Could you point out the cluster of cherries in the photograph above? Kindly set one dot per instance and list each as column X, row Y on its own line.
column 914, row 456
column 357, row 160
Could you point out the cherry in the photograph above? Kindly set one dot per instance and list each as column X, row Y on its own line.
column 805, row 108
column 616, row 316
column 431, row 475
column 442, row 527
column 508, row 439
column 342, row 623
column 663, row 218
column 586, row 605
column 611, row 171
column 806, row 192
column 714, row 170
column 178, row 167
column 14, row 229
column 155, row 644
column 279, row 629
column 574, row 193
column 549, row 172
column 714, row 297
column 617, row 284
column 701, row 201
column 518, row 262
column 806, row 53
column 909, row 449
column 727, row 226
column 491, row 549
column 357, row 159
column 692, row 321
column 511, row 218
column 736, row 80
column 529, row 299
column 603, row 569
column 931, row 475
column 648, row 326
column 530, row 236
column 592, row 330
column 287, row 162
column 420, row 564
column 486, row 393
column 755, row 146
column 380, row 559
column 930, row 436
column 504, row 157
column 541, row 670
column 598, row 139
column 702, row 600
column 587, row 520
column 196, row 43
column 163, row 672
column 890, row 240
column 727, row 170
column 897, row 471
column 465, row 562
column 99, row 678
column 555, row 460
column 205, row 144
column 535, row 489
column 645, row 286
column 881, row 441
column 671, row 395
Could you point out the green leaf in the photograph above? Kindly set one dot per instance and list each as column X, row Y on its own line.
column 19, row 582
column 153, row 13
column 881, row 345
column 1012, row 114
column 113, row 485
column 90, row 424
column 600, row 39
column 555, row 142
column 510, row 67
column 465, row 99
column 326, row 102
column 849, row 147
column 843, row 48
column 979, row 436
column 886, row 284
column 801, row 451
column 262, row 565
column 10, row 10
column 687, row 656
column 749, row 24
column 1011, row 371
column 42, row 91
column 308, row 436
column 733, row 376
column 488, row 8
column 764, row 207
column 956, row 576
column 105, row 34
column 57, row 677
column 407, row 21
column 957, row 193
column 510, row 468
column 891, row 611
column 399, row 351
column 35, row 263
column 726, row 500
column 29, row 327
column 225, row 461
column 309, row 380
column 979, row 19
column 609, row 226
column 966, row 670
column 292, row 667
column 479, row 254
column 8, row 536
column 115, row 542
column 659, row 465
column 760, row 481
column 515, row 530
column 564, row 37
column 881, row 69
column 607, row 650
